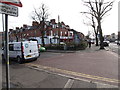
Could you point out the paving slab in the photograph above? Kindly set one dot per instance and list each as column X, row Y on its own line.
column 0, row 72
column 23, row 77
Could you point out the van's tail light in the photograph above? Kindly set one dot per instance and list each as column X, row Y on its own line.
column 39, row 46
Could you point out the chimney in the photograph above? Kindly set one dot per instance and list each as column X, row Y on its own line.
column 10, row 30
column 24, row 25
column 35, row 23
column 52, row 21
column 17, row 28
column 62, row 23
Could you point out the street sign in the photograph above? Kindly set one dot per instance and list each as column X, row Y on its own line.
column 12, row 2
column 8, row 9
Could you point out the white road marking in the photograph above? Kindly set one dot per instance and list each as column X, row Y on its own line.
column 69, row 84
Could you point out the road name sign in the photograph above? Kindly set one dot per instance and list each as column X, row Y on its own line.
column 8, row 9
column 12, row 2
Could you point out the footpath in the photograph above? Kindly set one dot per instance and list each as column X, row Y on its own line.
column 32, row 77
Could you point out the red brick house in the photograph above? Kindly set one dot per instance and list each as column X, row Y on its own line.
column 52, row 32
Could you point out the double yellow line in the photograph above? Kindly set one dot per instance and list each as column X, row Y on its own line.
column 75, row 73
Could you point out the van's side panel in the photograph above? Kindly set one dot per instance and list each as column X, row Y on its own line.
column 17, row 49
column 14, row 50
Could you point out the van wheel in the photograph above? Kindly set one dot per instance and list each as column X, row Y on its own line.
column 34, row 59
column 19, row 60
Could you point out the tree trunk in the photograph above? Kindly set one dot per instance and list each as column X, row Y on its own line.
column 43, row 31
column 96, row 40
column 43, row 43
column 16, row 39
column 96, row 35
column 101, row 36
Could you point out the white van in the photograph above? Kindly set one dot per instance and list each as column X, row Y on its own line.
column 22, row 51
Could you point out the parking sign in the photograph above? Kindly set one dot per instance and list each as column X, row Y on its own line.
column 12, row 2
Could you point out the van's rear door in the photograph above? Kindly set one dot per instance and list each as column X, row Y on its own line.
column 30, row 49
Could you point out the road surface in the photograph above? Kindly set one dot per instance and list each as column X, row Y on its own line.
column 98, row 66
column 114, row 47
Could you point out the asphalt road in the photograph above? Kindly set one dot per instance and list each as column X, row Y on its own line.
column 93, row 66
column 102, row 64
column 114, row 48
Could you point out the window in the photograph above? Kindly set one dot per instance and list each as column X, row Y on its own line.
column 70, row 34
column 65, row 33
column 11, row 47
column 45, row 33
column 53, row 26
column 61, row 33
column 56, row 32
column 45, row 26
column 51, row 33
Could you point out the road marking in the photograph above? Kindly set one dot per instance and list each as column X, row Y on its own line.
column 69, row 84
column 75, row 73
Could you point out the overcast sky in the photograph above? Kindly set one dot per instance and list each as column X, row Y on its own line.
column 69, row 12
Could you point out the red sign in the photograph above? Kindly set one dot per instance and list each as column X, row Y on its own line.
column 12, row 2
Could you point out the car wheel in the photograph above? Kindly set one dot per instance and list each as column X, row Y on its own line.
column 35, row 59
column 19, row 60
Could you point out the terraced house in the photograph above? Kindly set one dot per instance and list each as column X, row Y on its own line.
column 53, row 32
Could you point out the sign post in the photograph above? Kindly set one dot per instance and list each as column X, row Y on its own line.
column 7, row 53
column 7, row 7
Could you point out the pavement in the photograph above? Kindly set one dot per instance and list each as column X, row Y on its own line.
column 92, row 49
column 0, row 73
column 35, row 77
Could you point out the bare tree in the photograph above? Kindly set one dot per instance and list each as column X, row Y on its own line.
column 40, row 15
column 98, row 9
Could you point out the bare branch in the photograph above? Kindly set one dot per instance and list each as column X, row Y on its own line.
column 96, row 3
column 106, row 9
column 40, row 13
column 93, row 9
column 106, row 12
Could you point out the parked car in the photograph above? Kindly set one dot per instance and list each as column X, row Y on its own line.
column 106, row 43
column 117, row 42
column 92, row 42
column 22, row 51
column 42, row 49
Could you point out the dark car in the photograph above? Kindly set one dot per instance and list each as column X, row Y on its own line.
column 106, row 43
column 118, row 42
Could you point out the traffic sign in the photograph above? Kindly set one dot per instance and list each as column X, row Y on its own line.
column 8, row 9
column 12, row 2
